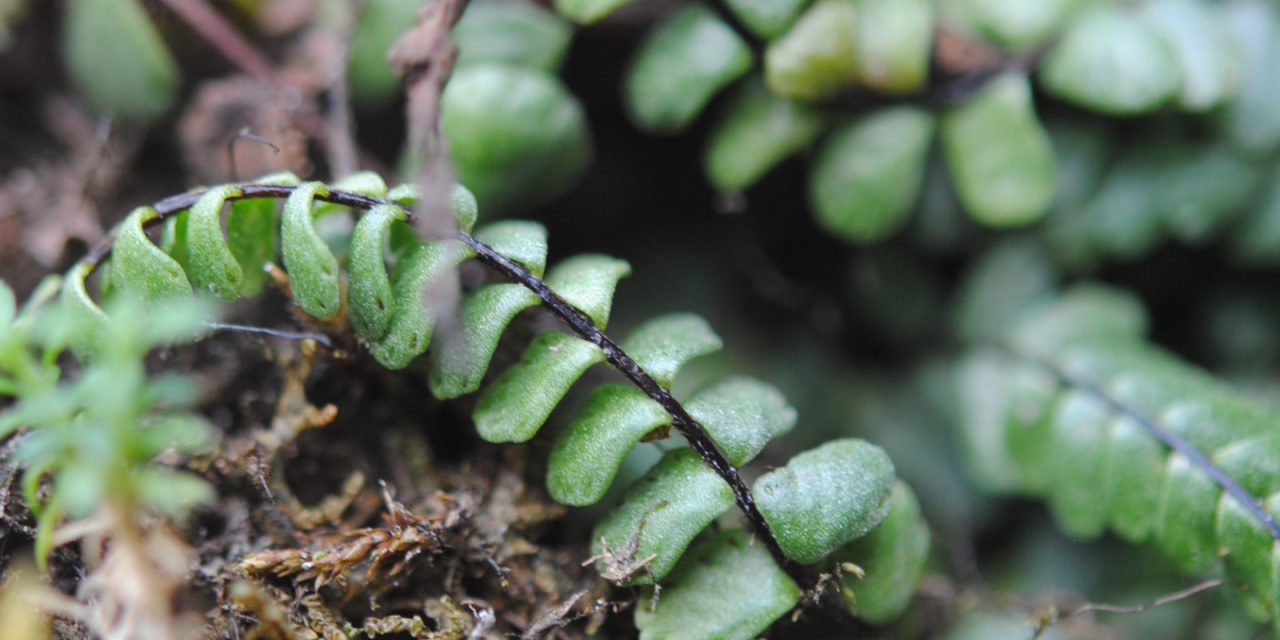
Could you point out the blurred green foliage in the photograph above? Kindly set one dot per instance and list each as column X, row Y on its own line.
column 1010, row 165
column 115, row 56
column 95, row 436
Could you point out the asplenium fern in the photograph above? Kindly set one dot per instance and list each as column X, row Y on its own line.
column 869, row 89
column 823, row 508
column 1077, row 407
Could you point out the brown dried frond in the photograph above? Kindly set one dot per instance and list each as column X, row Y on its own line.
column 390, row 552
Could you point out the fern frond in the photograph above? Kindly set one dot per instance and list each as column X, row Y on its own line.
column 802, row 513
column 1113, row 432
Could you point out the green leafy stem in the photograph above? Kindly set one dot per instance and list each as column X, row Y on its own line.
column 839, row 502
column 577, row 320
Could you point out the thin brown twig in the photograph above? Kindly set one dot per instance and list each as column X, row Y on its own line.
column 425, row 56
column 244, row 134
column 340, row 146
column 1050, row 620
column 216, row 31
column 1151, row 604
